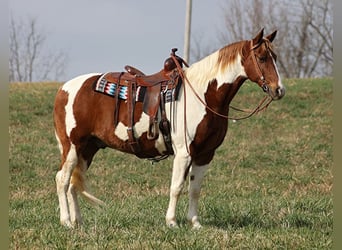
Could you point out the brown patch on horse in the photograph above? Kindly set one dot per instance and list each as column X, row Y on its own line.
column 61, row 101
column 212, row 129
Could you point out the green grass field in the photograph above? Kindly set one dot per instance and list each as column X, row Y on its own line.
column 268, row 187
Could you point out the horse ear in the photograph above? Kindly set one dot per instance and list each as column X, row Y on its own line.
column 271, row 37
column 258, row 38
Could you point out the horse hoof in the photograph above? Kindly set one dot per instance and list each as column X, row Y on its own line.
column 196, row 226
column 67, row 224
column 194, row 222
column 172, row 224
column 76, row 224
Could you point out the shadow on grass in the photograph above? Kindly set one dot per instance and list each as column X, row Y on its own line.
column 230, row 220
column 254, row 218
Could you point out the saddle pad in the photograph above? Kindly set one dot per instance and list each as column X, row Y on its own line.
column 110, row 88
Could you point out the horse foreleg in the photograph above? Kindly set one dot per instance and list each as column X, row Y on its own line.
column 196, row 177
column 63, row 177
column 180, row 165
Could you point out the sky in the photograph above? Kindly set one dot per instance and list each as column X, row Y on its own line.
column 105, row 35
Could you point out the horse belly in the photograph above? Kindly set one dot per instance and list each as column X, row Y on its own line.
column 116, row 137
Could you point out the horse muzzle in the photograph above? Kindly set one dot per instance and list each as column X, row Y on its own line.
column 276, row 93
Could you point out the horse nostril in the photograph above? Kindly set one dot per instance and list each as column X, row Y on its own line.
column 264, row 88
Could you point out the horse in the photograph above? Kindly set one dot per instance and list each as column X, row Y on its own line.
column 84, row 123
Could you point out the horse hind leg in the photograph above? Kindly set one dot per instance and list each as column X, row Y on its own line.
column 87, row 153
column 78, row 184
column 63, row 178
column 77, row 180
column 70, row 181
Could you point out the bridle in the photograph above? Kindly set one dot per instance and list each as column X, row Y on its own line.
column 261, row 81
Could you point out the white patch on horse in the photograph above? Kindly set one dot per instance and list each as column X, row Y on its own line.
column 198, row 72
column 139, row 128
column 121, row 131
column 72, row 87
column 160, row 144
column 60, row 146
column 231, row 72
column 204, row 71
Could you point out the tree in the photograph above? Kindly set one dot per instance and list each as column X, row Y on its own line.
column 319, row 19
column 29, row 59
column 306, row 47
column 304, row 43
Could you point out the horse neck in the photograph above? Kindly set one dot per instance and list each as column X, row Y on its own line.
column 210, row 73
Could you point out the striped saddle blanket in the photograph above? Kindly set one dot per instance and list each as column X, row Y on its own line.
column 110, row 88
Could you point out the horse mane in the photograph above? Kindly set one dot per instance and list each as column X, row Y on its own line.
column 229, row 53
column 207, row 68
column 204, row 70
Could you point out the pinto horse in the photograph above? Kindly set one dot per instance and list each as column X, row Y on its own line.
column 84, row 124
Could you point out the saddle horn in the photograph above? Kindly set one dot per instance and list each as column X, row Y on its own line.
column 169, row 64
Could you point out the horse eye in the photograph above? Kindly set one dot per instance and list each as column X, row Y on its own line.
column 262, row 59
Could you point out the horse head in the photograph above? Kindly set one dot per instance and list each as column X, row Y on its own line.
column 260, row 64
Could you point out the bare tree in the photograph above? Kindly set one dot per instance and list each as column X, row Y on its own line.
column 245, row 18
column 305, row 38
column 29, row 59
column 320, row 28
column 306, row 47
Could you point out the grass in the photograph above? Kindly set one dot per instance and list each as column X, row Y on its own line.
column 268, row 187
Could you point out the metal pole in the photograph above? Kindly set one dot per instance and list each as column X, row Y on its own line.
column 187, row 30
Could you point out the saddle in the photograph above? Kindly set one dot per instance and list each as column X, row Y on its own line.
column 154, row 99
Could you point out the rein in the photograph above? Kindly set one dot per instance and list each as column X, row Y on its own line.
column 261, row 107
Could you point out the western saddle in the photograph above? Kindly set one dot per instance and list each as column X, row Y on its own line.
column 156, row 86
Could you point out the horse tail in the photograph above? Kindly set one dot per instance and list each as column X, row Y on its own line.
column 78, row 180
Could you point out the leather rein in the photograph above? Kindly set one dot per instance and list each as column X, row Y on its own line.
column 263, row 104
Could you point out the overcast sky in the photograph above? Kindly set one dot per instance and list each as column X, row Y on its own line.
column 105, row 35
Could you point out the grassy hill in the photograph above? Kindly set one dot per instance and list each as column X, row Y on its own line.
column 268, row 187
